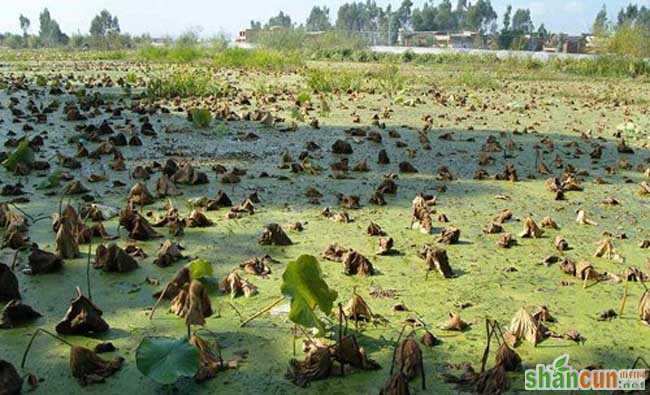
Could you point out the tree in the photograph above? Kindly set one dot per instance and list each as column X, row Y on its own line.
column 480, row 16
column 280, row 20
column 521, row 21
column 403, row 13
column 445, row 18
column 319, row 20
column 601, row 22
column 25, row 23
column 425, row 19
column 49, row 31
column 506, row 18
column 542, row 31
column 104, row 24
column 256, row 25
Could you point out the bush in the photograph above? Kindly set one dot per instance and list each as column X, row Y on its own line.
column 200, row 117
column 183, row 84
column 239, row 58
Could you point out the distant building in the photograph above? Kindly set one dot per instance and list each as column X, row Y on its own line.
column 440, row 39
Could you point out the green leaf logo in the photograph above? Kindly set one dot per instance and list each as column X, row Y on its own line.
column 561, row 364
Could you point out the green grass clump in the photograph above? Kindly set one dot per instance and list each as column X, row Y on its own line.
column 330, row 81
column 175, row 54
column 258, row 59
column 184, row 84
column 200, row 117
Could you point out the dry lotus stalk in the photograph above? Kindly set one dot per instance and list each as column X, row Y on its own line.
column 192, row 303
column 531, row 230
column 168, row 254
column 10, row 382
column 274, row 235
column 16, row 314
column 114, row 259
column 88, row 368
column 582, row 219
column 524, row 326
column 644, row 307
column 236, row 286
column 9, row 289
column 334, row 253
column 455, row 323
column 355, row 263
column 140, row 195
column 43, row 262
column 436, row 259
column 82, row 318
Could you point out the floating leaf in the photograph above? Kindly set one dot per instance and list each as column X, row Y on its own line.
column 303, row 282
column 200, row 268
column 166, row 360
column 22, row 154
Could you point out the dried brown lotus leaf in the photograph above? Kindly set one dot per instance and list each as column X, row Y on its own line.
column 449, row 236
column 503, row 216
column 644, row 307
column 140, row 195
column 560, row 243
column 436, row 259
column 16, row 314
column 582, row 219
column 67, row 246
column 9, row 289
column 198, row 220
column 348, row 352
column 10, row 382
column 273, row 234
column 506, row 240
column 82, row 318
column 114, row 259
column 386, row 246
column 234, row 285
column 43, row 262
column 168, row 254
column 493, row 228
column 210, row 362
column 375, row 230
column 257, row 266
column 165, row 187
column 525, row 327
column 492, row 381
column 88, row 368
column 355, row 263
column 335, row 253
column 531, row 230
column 408, row 358
column 455, row 323
column 549, row 223
column 194, row 304
column 180, row 280
column 317, row 365
column 508, row 358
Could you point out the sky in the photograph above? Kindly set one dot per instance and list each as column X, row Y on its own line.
column 172, row 17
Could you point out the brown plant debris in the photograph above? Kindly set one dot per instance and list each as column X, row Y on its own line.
column 436, row 259
column 192, row 303
column 10, row 382
column 88, row 368
column 258, row 266
column 274, row 235
column 9, row 289
column 168, row 254
column 455, row 323
column 531, row 230
column 236, row 286
column 525, row 327
column 16, row 314
column 82, row 318
column 114, row 259
column 355, row 263
column 449, row 236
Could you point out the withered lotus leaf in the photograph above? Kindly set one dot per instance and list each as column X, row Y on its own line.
column 318, row 365
column 273, row 234
column 449, row 236
column 355, row 263
column 397, row 384
column 506, row 240
column 258, row 266
column 10, row 382
column 8, row 284
column 358, row 310
column 375, row 230
column 198, row 220
column 192, row 303
column 549, row 223
column 82, row 318
column 88, row 368
column 210, row 363
column 180, row 280
column 508, row 358
column 492, row 381
column 67, row 246
column 334, row 252
column 236, row 286
column 408, row 358
column 386, row 246
column 455, row 323
column 114, row 259
column 429, row 339
column 165, row 187
column 436, row 259
column 348, row 352
column 531, row 230
column 168, row 254
column 140, row 195
column 16, row 314
column 525, row 327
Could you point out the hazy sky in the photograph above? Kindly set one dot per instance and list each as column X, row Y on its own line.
column 160, row 17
